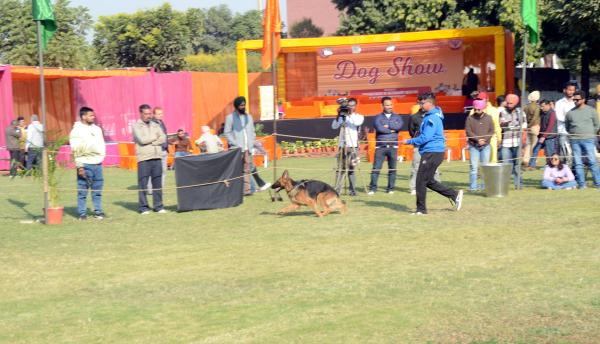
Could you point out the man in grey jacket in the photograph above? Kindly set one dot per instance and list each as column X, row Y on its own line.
column 149, row 139
column 13, row 135
column 239, row 130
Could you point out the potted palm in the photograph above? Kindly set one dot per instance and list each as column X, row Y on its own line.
column 55, row 210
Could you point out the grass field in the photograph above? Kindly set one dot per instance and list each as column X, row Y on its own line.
column 521, row 269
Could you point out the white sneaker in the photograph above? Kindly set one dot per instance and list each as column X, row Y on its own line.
column 147, row 212
column 413, row 192
column 390, row 192
column 418, row 213
column 458, row 200
column 371, row 193
column 162, row 211
column 265, row 187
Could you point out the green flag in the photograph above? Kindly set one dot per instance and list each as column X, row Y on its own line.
column 42, row 12
column 529, row 14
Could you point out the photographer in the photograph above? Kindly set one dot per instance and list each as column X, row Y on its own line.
column 350, row 122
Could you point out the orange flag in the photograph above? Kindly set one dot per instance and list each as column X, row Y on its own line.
column 271, row 24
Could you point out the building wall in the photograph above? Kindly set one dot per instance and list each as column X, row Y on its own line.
column 322, row 12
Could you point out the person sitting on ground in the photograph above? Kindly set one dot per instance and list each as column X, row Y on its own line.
column 209, row 142
column 182, row 144
column 557, row 175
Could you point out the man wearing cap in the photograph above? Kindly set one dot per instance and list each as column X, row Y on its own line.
column 239, row 130
column 479, row 130
column 511, row 121
column 532, row 113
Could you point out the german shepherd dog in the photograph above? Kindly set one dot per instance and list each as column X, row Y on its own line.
column 311, row 193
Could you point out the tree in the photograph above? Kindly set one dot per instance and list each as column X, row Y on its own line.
column 156, row 38
column 570, row 40
column 223, row 29
column 305, row 28
column 223, row 62
column 68, row 47
column 195, row 19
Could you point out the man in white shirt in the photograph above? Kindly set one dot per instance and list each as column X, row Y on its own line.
column 89, row 149
column 348, row 144
column 35, row 143
column 561, row 108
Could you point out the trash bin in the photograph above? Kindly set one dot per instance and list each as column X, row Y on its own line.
column 497, row 179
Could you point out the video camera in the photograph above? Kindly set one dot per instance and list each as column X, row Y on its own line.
column 344, row 109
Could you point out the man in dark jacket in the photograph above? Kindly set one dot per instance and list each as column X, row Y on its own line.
column 432, row 145
column 387, row 124
column 13, row 135
column 548, row 136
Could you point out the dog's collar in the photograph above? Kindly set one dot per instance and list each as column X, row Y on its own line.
column 295, row 190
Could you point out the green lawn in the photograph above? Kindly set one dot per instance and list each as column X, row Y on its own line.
column 520, row 269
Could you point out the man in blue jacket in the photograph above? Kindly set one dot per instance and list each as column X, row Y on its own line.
column 387, row 124
column 432, row 145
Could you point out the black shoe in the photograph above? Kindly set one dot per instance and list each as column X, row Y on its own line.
column 82, row 217
column 352, row 194
column 99, row 216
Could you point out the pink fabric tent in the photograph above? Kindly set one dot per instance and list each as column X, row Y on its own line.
column 116, row 101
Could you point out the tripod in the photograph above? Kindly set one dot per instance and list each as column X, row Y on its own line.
column 347, row 163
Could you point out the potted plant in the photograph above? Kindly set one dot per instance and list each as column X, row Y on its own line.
column 316, row 146
column 300, row 146
column 55, row 211
column 285, row 147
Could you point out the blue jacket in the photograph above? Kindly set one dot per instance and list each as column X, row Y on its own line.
column 385, row 134
column 431, row 138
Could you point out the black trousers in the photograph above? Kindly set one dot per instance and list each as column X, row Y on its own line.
column 16, row 158
column 425, row 179
column 150, row 169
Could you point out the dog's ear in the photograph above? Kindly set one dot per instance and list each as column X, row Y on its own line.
column 285, row 175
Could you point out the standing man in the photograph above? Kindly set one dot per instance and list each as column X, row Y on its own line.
column 479, row 129
column 157, row 117
column 35, row 143
column 13, row 135
column 582, row 125
column 548, row 137
column 432, row 145
column 387, row 125
column 414, row 126
column 562, row 106
column 532, row 113
column 22, row 140
column 239, row 130
column 348, row 145
column 88, row 147
column 511, row 120
column 149, row 139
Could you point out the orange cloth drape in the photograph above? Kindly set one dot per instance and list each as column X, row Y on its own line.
column 59, row 112
column 31, row 73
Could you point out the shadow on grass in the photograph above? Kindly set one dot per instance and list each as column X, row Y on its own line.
column 389, row 205
column 72, row 211
column 133, row 206
column 22, row 205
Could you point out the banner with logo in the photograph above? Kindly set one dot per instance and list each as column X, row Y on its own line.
column 410, row 67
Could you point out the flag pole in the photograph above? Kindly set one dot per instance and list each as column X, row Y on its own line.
column 523, row 95
column 43, row 110
column 276, row 110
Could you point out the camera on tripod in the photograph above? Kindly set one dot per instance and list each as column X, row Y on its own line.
column 344, row 109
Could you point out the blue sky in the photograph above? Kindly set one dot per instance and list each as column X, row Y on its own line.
column 108, row 7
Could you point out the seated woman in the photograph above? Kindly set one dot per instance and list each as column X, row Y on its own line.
column 558, row 176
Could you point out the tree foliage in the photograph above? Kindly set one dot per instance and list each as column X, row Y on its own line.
column 305, row 29
column 223, row 62
column 68, row 47
column 156, row 38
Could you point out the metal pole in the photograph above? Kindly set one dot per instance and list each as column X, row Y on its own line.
column 43, row 109
column 523, row 95
column 276, row 112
